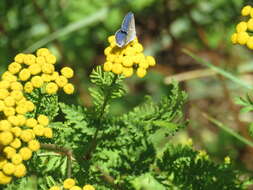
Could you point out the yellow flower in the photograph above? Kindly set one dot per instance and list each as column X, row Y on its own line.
column 38, row 130
column 37, row 81
column 43, row 120
column 6, row 138
column 131, row 51
column 3, row 93
column 20, row 170
column 150, row 60
column 68, row 183
column 16, row 86
column 138, row 47
column 54, row 75
column 9, row 151
column 28, row 87
column 8, row 111
column 144, row 64
column 17, row 95
column 107, row 50
column 127, row 61
column 250, row 42
column 9, row 168
column 138, row 58
column 5, row 125
column 14, row 67
column 40, row 60
column 111, row 39
column 46, row 77
column 51, row 59
column 51, row 88
column 34, row 145
column 47, row 68
column 48, row 132
column 67, row 72
column 42, row 52
column 16, row 143
column 242, row 38
column 111, row 58
column 69, row 88
column 128, row 72
column 108, row 66
column 61, row 81
column 9, row 101
column 88, row 187
column 117, row 68
column 19, row 58
column 21, row 109
column 29, row 106
column 31, row 122
column 21, row 119
column 25, row 153
column 24, row 74
column 16, row 159
column 4, row 84
column 16, row 130
column 34, row 69
column 26, row 135
column 241, row 27
column 8, row 76
column 55, row 188
column 4, row 179
column 246, row 10
column 29, row 59
column 141, row 72
column 3, row 161
column 250, row 24
column 13, row 120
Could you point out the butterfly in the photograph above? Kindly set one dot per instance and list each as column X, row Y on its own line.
column 127, row 32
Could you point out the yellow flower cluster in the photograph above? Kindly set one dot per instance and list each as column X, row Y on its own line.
column 71, row 185
column 18, row 142
column 124, row 60
column 39, row 71
column 242, row 36
column 17, row 132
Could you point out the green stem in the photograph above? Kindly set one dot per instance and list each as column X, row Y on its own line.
column 228, row 130
column 93, row 145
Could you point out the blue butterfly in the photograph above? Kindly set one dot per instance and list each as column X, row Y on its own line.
column 127, row 32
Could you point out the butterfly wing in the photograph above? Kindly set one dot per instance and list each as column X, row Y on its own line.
column 127, row 32
column 131, row 33
column 120, row 37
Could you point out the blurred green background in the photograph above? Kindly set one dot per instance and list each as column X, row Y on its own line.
column 77, row 31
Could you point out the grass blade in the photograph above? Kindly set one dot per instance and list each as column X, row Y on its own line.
column 228, row 130
column 218, row 70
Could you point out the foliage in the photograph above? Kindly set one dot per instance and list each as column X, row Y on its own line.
column 122, row 141
column 120, row 152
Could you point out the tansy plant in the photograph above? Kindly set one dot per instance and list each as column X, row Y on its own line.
column 244, row 28
column 58, row 146
column 243, row 37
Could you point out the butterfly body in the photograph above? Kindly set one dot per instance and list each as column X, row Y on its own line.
column 127, row 32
